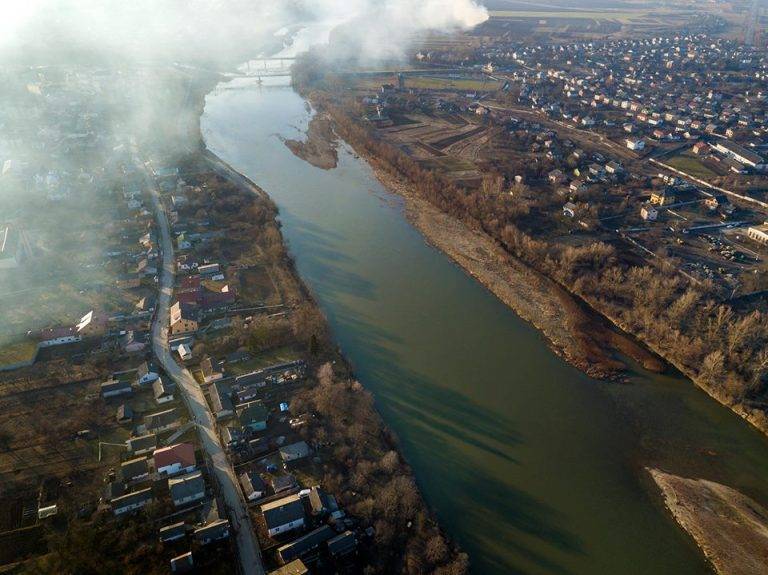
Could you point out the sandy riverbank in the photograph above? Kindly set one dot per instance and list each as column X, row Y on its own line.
column 730, row 528
column 578, row 335
column 319, row 147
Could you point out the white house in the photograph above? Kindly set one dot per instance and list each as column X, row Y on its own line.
column 184, row 351
column 162, row 390
column 284, row 514
column 635, row 144
column 146, row 374
column 174, row 459
column 649, row 213
column 759, row 233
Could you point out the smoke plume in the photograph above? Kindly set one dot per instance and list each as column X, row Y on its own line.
column 34, row 31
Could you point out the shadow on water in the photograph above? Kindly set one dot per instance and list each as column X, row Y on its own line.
column 449, row 431
column 330, row 266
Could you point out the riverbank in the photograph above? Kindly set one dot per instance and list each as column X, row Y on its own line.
column 730, row 528
column 589, row 338
column 361, row 464
column 573, row 331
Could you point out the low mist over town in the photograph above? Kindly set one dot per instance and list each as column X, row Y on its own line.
column 384, row 286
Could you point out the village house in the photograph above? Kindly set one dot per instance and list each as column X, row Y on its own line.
column 220, row 394
column 307, row 545
column 294, row 451
column 211, row 370
column 342, row 545
column 163, row 390
column 295, row 567
column 134, row 469
column 636, row 145
column 232, row 437
column 183, row 563
column 162, row 421
column 649, row 213
column 115, row 387
column 131, row 501
column 215, row 531
column 88, row 326
column 663, row 197
column 253, row 415
column 284, row 514
column 281, row 483
column 146, row 373
column 143, row 444
column 183, row 319
column 173, row 532
column 759, row 233
column 253, row 486
column 124, row 414
column 741, row 155
column 186, row 489
column 175, row 459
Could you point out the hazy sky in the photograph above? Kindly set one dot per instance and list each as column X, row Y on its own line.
column 210, row 29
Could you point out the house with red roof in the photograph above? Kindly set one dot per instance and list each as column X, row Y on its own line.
column 178, row 458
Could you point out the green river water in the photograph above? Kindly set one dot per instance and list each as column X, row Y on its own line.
column 529, row 464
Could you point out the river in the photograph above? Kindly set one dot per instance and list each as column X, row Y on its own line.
column 529, row 464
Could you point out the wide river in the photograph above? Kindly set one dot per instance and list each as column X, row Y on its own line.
column 530, row 465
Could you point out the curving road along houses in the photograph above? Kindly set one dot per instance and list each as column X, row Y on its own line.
column 247, row 545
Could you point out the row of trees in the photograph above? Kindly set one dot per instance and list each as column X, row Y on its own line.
column 371, row 480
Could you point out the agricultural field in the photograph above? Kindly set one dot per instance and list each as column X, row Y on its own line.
column 691, row 164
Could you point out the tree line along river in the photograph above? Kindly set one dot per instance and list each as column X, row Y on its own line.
column 529, row 464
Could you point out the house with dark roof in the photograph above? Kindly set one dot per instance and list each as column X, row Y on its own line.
column 124, row 413
column 220, row 394
column 173, row 532
column 114, row 489
column 162, row 421
column 183, row 563
column 342, row 544
column 253, row 486
column 232, row 437
column 294, row 451
column 134, row 469
column 320, row 502
column 115, row 387
column 307, row 545
column 143, row 444
column 131, row 501
column 253, row 415
column 211, row 370
column 183, row 319
column 214, row 531
column 283, row 515
column 186, row 489
column 283, row 482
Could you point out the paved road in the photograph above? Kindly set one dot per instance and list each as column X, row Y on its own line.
column 248, row 547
